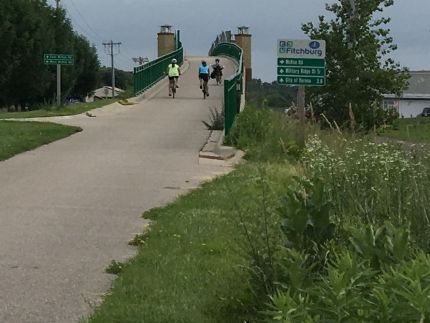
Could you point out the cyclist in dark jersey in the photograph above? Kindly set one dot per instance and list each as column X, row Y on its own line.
column 217, row 71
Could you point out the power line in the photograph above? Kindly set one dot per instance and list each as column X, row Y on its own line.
column 95, row 38
column 84, row 20
column 83, row 30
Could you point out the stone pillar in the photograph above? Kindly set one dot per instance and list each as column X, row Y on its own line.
column 243, row 40
column 166, row 40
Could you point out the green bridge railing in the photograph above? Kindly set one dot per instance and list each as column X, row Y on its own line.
column 147, row 75
column 233, row 86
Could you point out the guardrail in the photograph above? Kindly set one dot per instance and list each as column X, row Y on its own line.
column 147, row 75
column 233, row 86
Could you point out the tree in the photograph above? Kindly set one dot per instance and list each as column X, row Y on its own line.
column 269, row 94
column 86, row 68
column 27, row 35
column 29, row 29
column 123, row 79
column 359, row 67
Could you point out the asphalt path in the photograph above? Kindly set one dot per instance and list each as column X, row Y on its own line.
column 69, row 208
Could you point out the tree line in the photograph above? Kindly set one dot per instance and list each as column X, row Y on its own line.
column 28, row 30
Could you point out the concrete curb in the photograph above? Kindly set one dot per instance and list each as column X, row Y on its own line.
column 214, row 152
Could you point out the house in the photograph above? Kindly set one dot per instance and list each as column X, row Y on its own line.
column 414, row 99
column 104, row 92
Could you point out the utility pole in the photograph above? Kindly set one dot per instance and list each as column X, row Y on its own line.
column 109, row 48
column 351, row 45
column 301, row 102
column 58, row 67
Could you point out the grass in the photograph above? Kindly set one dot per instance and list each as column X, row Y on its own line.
column 413, row 129
column 342, row 207
column 67, row 110
column 192, row 266
column 17, row 136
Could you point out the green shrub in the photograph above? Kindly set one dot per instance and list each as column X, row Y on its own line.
column 350, row 291
column 264, row 135
column 373, row 183
column 351, row 227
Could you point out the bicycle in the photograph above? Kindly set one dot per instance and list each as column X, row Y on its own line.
column 205, row 89
column 218, row 78
column 217, row 72
column 172, row 85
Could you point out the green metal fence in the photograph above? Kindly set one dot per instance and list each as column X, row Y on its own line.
column 233, row 86
column 147, row 75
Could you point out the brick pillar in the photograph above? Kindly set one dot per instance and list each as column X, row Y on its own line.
column 166, row 40
column 243, row 40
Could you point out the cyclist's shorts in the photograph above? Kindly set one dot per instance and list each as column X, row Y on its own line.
column 204, row 77
column 173, row 77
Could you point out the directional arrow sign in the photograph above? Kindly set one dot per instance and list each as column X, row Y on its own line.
column 302, row 80
column 306, row 62
column 305, row 71
column 62, row 59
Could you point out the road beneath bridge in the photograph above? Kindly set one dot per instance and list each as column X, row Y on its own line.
column 69, row 208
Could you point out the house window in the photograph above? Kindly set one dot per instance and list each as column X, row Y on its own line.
column 391, row 104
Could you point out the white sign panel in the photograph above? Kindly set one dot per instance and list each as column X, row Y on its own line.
column 299, row 48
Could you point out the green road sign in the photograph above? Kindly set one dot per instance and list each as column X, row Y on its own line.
column 301, row 71
column 301, row 62
column 301, row 80
column 54, row 59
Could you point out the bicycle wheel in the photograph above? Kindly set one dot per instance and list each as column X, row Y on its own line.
column 173, row 88
column 205, row 90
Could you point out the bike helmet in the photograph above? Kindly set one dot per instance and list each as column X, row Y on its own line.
column 174, row 61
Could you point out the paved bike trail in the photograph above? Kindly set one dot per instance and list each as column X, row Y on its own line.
column 69, row 208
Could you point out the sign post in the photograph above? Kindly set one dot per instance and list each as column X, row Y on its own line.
column 301, row 63
column 58, row 59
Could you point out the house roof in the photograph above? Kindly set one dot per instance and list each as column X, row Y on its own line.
column 419, row 83
column 418, row 89
column 106, row 91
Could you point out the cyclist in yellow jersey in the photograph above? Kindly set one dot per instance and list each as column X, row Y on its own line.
column 173, row 72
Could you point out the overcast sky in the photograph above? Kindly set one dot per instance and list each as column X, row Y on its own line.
column 135, row 24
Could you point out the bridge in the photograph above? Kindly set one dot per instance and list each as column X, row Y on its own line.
column 237, row 51
column 69, row 208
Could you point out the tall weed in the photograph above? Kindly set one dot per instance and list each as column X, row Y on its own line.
column 373, row 183
column 265, row 135
column 345, row 241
